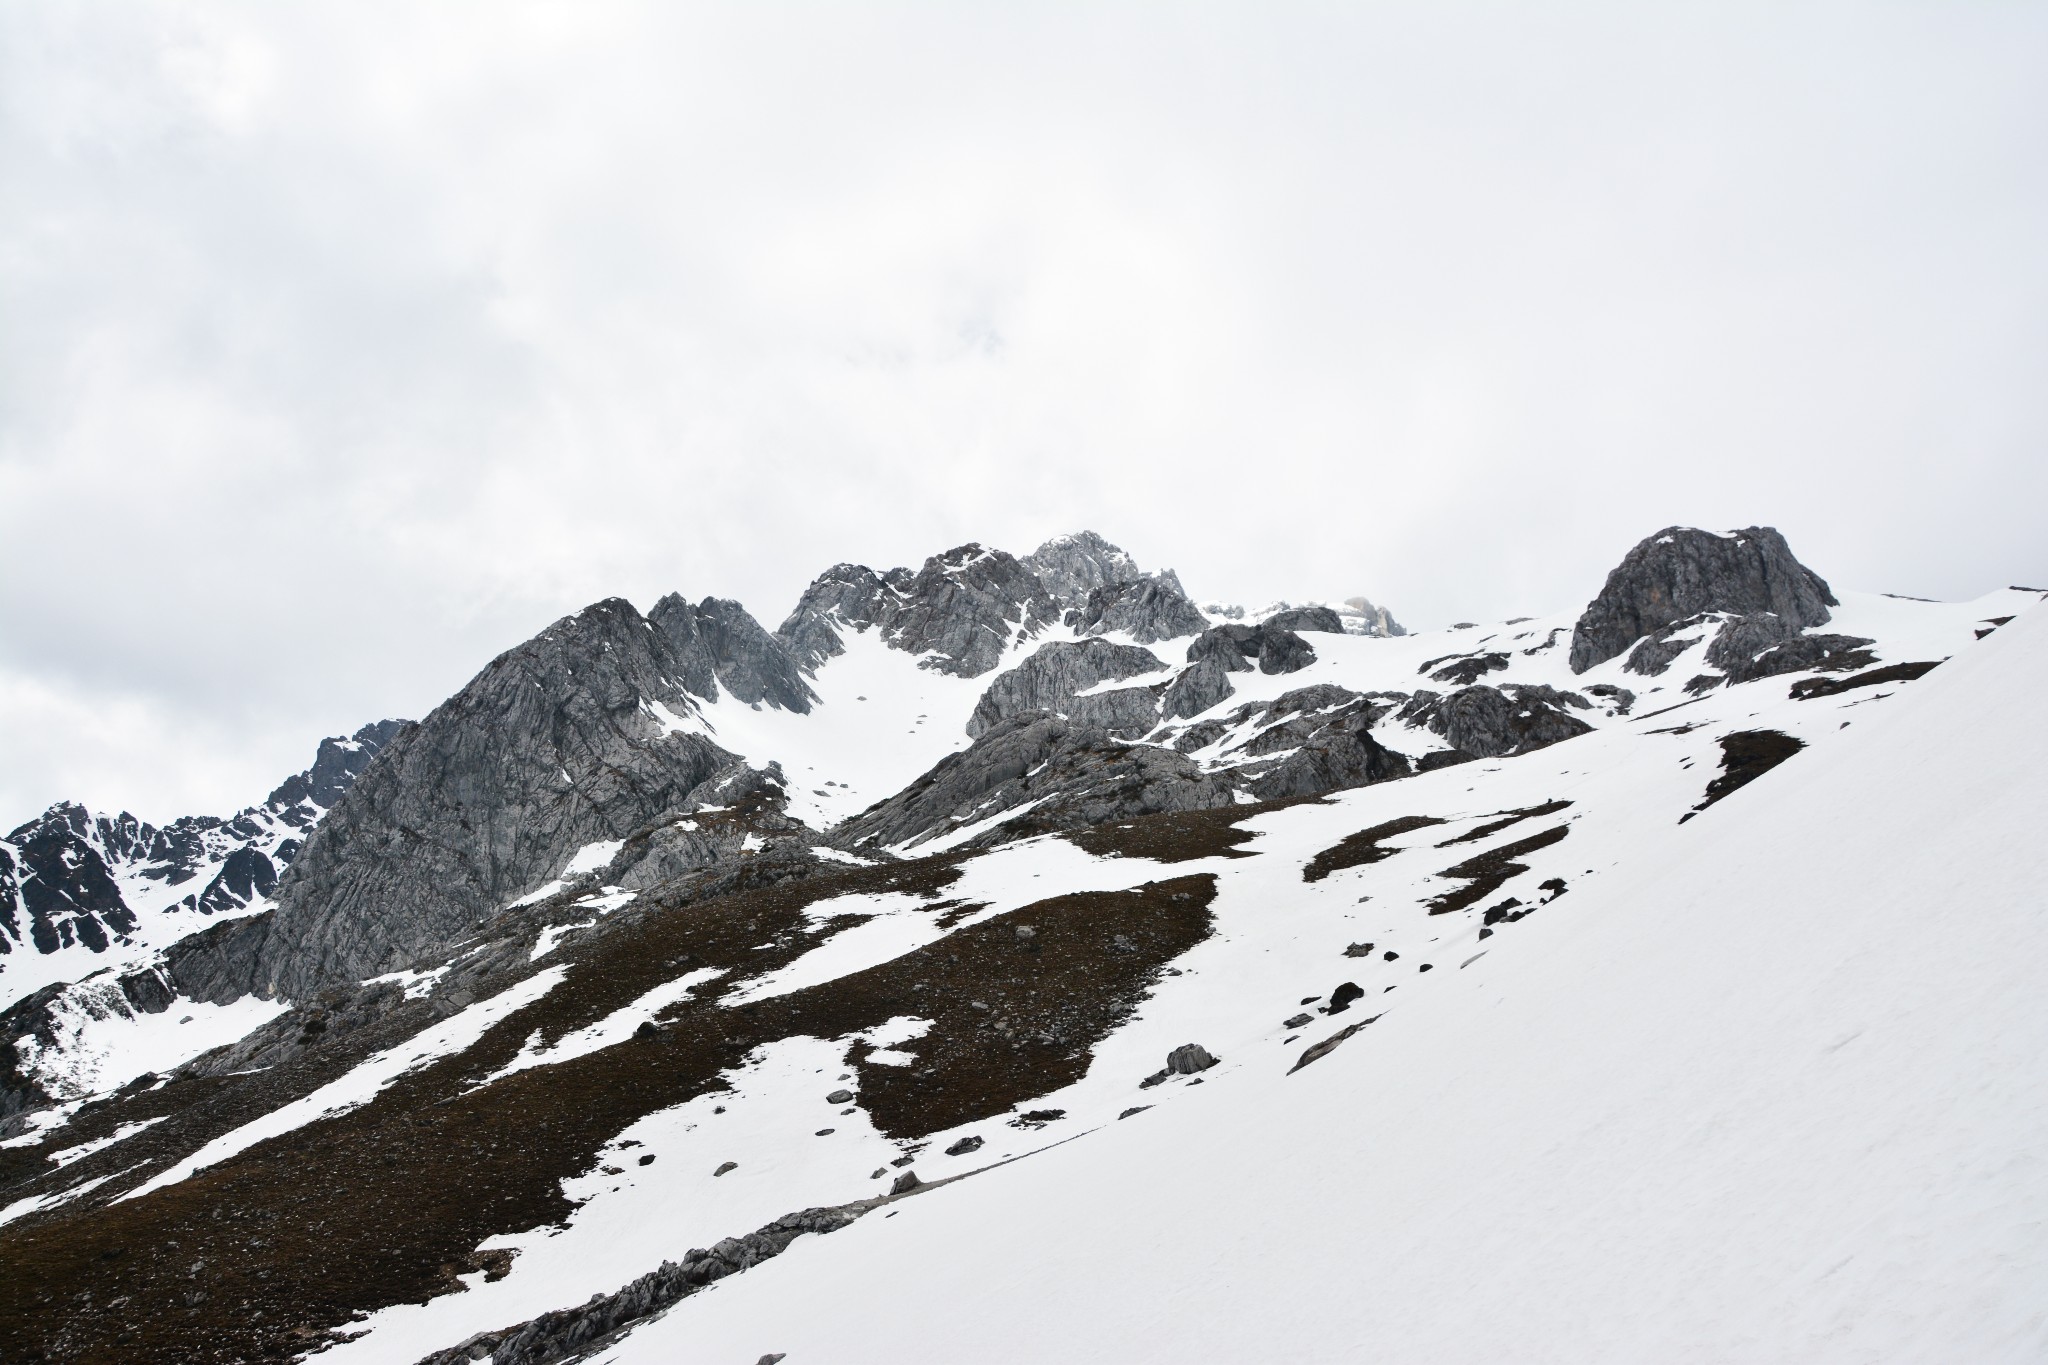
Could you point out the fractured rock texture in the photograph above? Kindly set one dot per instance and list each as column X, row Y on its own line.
column 1682, row 572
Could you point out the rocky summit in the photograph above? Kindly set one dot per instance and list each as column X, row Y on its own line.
column 683, row 990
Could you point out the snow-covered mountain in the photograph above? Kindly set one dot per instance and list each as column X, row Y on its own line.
column 79, row 890
column 1111, row 978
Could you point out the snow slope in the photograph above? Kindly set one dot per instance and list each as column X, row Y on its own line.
column 1760, row 1092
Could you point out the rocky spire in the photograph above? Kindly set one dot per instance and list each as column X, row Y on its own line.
column 1073, row 566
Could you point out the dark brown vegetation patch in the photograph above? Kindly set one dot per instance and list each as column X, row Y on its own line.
column 260, row 1257
column 1808, row 688
column 1180, row 836
column 1507, row 818
column 1356, row 850
column 1745, row 756
column 1486, row 873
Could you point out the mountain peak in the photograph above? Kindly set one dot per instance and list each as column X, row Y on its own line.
column 1073, row 565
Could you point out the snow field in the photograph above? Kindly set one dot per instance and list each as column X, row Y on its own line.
column 1717, row 1108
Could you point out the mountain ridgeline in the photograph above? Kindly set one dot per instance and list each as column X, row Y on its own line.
column 593, row 731
column 768, row 929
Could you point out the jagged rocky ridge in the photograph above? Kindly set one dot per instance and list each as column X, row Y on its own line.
column 72, row 878
column 728, row 882
column 581, row 735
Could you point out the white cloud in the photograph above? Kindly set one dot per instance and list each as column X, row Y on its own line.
column 365, row 339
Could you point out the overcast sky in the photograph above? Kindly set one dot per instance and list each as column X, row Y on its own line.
column 343, row 346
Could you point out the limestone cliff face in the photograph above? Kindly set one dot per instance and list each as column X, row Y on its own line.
column 585, row 733
column 1682, row 572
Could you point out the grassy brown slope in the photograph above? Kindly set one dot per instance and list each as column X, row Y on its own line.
column 1182, row 836
column 259, row 1257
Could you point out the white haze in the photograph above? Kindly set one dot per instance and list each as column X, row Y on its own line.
column 343, row 346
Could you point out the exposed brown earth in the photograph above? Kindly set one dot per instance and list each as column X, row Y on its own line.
column 1488, row 872
column 262, row 1256
column 1356, row 850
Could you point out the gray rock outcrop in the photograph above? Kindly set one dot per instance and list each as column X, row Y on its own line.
column 1313, row 739
column 1072, row 775
column 1235, row 649
column 1682, row 572
column 1073, row 566
column 1200, row 686
column 1495, row 722
column 558, row 743
column 964, row 607
column 1051, row 676
column 62, row 874
column 718, row 642
column 573, row 1333
column 1306, row 618
column 1766, row 646
column 1148, row 609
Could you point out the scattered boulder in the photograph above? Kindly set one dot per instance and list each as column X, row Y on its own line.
column 964, row 1146
column 839, row 1097
column 904, row 1183
column 1298, row 1021
column 1189, row 1058
column 1341, row 998
column 726, row 1166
